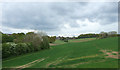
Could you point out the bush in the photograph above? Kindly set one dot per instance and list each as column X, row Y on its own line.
column 65, row 40
column 5, row 50
column 51, row 39
column 30, row 47
column 45, row 42
column 36, row 43
column 38, row 40
column 22, row 48
column 10, row 49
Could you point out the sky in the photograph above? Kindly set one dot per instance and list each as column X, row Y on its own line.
column 59, row 18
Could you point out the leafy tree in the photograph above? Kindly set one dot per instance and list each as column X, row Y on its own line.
column 38, row 40
column 7, row 38
column 5, row 50
column 45, row 42
column 112, row 33
column 103, row 35
column 29, row 33
column 51, row 39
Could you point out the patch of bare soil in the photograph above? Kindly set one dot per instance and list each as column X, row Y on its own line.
column 112, row 54
column 53, row 44
column 50, row 63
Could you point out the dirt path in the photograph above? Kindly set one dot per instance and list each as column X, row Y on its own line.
column 57, row 61
column 83, row 57
column 51, row 44
column 62, row 59
column 28, row 64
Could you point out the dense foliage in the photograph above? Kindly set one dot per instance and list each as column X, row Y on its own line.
column 17, row 44
column 10, row 49
column 7, row 38
column 51, row 39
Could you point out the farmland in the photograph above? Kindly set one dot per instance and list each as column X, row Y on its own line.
column 79, row 53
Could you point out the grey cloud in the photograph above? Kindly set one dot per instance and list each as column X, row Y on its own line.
column 23, row 16
column 105, row 13
column 51, row 16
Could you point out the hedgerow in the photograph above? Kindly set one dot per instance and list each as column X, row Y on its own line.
column 12, row 49
column 29, row 43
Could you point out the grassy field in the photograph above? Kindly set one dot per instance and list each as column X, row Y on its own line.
column 99, row 53
column 57, row 42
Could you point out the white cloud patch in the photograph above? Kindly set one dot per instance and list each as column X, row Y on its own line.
column 14, row 30
column 86, row 26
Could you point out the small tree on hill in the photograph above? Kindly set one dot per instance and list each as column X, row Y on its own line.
column 103, row 35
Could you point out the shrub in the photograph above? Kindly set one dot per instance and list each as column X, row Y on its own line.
column 5, row 50
column 45, row 42
column 21, row 48
column 37, row 43
column 65, row 40
column 24, row 47
column 10, row 49
column 38, row 40
column 51, row 39
column 30, row 47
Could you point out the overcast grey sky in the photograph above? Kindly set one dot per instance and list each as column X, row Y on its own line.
column 60, row 18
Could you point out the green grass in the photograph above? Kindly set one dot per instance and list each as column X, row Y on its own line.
column 109, row 63
column 73, row 40
column 114, row 54
column 71, row 54
column 82, row 40
column 59, row 42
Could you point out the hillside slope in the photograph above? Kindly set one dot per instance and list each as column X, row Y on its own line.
column 99, row 53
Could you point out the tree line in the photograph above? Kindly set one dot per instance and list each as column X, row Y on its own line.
column 19, row 43
column 101, row 35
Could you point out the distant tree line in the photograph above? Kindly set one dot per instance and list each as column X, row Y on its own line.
column 101, row 35
column 107, row 34
column 65, row 39
column 88, row 36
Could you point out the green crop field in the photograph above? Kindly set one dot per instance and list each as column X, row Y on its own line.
column 74, row 40
column 97, row 53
